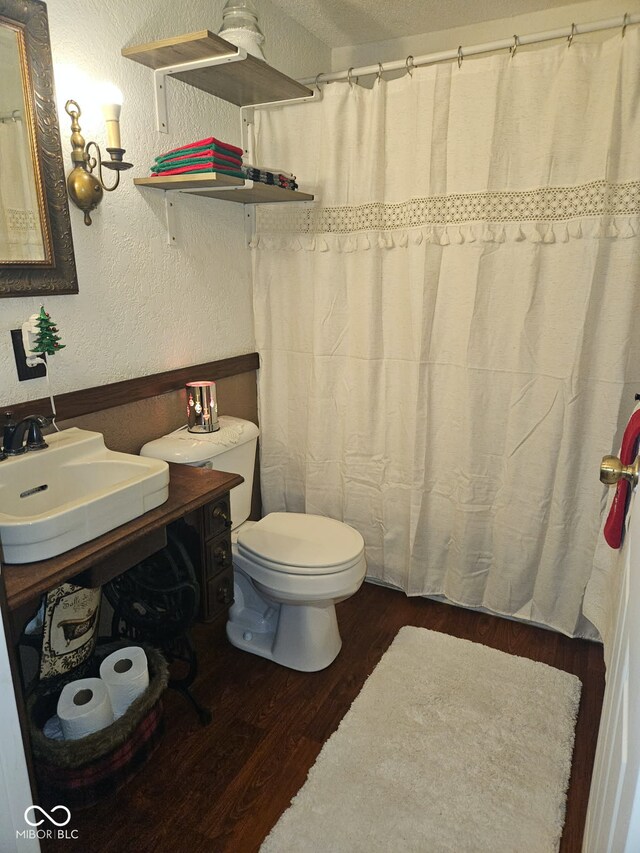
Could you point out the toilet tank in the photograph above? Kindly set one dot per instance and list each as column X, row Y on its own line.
column 232, row 449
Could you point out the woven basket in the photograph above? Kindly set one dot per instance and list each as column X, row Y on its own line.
column 78, row 773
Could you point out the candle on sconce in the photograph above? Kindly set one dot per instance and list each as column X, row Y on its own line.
column 111, row 114
column 112, row 99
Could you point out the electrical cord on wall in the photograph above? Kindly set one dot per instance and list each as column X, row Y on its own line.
column 53, row 404
column 44, row 361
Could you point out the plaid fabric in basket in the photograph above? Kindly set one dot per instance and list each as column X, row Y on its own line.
column 82, row 787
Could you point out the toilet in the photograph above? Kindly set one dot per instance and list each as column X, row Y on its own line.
column 290, row 569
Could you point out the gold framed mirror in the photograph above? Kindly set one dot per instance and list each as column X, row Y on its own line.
column 36, row 246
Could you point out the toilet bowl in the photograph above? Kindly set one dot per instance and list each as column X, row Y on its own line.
column 290, row 569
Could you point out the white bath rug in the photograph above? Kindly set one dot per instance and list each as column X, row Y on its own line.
column 450, row 746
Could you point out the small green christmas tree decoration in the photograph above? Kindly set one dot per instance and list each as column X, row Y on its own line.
column 47, row 341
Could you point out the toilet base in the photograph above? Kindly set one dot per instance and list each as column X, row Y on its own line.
column 304, row 637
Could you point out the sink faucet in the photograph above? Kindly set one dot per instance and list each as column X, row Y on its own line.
column 14, row 435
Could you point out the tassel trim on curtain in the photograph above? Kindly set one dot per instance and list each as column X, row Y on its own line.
column 448, row 235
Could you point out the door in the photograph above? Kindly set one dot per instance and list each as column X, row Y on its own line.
column 15, row 790
column 613, row 817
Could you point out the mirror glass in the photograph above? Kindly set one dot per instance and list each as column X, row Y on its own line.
column 36, row 246
column 21, row 200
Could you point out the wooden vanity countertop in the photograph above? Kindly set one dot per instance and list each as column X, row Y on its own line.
column 189, row 489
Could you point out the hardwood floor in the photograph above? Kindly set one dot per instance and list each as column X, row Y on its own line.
column 220, row 789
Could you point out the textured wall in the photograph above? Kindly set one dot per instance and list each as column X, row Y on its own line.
column 144, row 306
column 479, row 33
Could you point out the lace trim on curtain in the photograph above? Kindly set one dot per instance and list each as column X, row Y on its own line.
column 548, row 214
column 21, row 220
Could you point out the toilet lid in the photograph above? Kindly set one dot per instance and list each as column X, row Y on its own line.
column 301, row 543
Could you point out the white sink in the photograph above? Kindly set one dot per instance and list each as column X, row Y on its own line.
column 76, row 489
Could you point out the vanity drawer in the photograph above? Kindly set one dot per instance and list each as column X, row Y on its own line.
column 219, row 594
column 217, row 517
column 218, row 555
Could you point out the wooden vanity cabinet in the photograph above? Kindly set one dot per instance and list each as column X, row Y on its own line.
column 214, row 567
column 197, row 496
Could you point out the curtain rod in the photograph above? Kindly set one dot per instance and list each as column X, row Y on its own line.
column 14, row 115
column 461, row 52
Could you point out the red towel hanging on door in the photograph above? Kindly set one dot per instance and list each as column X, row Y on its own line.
column 615, row 520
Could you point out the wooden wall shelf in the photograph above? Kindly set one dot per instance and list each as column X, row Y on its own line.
column 224, row 187
column 246, row 82
column 216, row 66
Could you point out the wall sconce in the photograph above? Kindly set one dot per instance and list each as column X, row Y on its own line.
column 202, row 407
column 85, row 189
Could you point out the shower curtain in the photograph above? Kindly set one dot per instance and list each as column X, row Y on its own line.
column 20, row 230
column 448, row 334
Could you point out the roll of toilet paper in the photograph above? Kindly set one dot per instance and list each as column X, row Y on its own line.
column 84, row 707
column 126, row 675
column 52, row 728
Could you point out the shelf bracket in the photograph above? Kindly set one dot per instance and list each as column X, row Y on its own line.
column 170, row 197
column 247, row 134
column 159, row 83
column 160, row 80
column 249, row 224
column 170, row 213
column 247, row 121
column 210, row 191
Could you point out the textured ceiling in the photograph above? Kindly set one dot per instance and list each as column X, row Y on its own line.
column 339, row 23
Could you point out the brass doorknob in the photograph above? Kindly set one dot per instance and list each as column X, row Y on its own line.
column 612, row 470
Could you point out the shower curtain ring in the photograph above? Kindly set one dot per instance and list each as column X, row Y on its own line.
column 350, row 77
column 317, row 84
column 514, row 46
column 571, row 35
column 379, row 74
column 625, row 22
column 460, row 56
column 410, row 66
